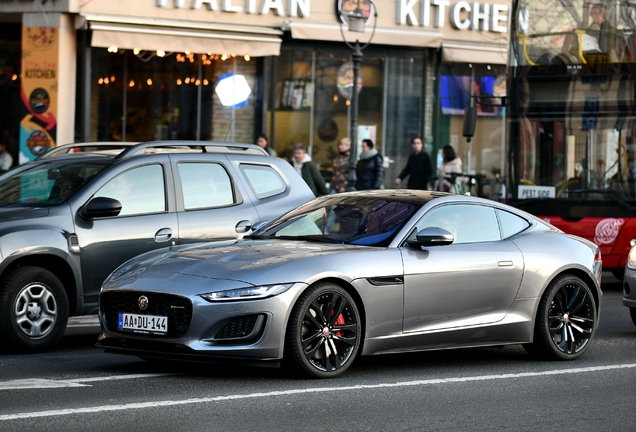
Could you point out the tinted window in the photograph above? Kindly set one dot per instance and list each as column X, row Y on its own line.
column 467, row 222
column 205, row 185
column 264, row 180
column 511, row 224
column 139, row 190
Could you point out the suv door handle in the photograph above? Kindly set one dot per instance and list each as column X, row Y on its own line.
column 243, row 226
column 163, row 235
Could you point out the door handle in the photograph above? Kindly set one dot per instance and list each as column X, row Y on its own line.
column 163, row 235
column 504, row 263
column 243, row 226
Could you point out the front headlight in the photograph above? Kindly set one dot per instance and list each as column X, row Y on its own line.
column 631, row 259
column 252, row 293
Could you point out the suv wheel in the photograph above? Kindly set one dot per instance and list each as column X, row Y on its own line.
column 33, row 309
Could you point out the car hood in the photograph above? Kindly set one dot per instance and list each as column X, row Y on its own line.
column 10, row 213
column 244, row 262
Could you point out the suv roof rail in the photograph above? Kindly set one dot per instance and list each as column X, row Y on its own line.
column 203, row 146
column 86, row 147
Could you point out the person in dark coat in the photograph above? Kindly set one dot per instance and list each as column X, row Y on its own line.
column 369, row 170
column 418, row 167
column 309, row 171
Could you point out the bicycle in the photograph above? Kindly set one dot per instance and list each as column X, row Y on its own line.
column 460, row 183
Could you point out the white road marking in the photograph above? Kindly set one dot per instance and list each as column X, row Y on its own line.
column 36, row 383
column 133, row 406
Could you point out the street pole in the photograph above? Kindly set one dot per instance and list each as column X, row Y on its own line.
column 356, row 59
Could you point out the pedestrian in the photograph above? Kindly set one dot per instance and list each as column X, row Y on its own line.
column 451, row 163
column 262, row 141
column 418, row 167
column 6, row 160
column 369, row 170
column 339, row 180
column 308, row 170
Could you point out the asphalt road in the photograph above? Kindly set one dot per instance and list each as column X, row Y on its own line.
column 77, row 386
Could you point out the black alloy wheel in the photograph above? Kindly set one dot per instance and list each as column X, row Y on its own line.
column 565, row 320
column 323, row 333
column 34, row 309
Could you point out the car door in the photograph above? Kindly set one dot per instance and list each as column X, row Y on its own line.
column 210, row 202
column 144, row 223
column 470, row 282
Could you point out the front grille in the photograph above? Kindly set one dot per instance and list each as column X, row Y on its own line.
column 177, row 309
column 238, row 328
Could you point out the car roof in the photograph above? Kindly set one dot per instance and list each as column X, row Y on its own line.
column 123, row 150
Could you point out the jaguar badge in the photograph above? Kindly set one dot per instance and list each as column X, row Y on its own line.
column 143, row 302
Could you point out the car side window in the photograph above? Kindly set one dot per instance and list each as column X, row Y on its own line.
column 139, row 190
column 264, row 180
column 511, row 224
column 205, row 185
column 467, row 222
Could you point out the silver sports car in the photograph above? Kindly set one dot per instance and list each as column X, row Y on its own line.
column 361, row 273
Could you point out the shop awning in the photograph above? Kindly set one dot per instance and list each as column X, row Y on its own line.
column 383, row 36
column 465, row 52
column 180, row 36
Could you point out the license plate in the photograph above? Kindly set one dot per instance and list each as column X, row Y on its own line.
column 147, row 324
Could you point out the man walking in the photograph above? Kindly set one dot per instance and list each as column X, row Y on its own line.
column 418, row 167
column 309, row 171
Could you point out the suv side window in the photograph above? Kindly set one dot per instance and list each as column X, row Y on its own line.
column 468, row 223
column 263, row 180
column 205, row 185
column 139, row 190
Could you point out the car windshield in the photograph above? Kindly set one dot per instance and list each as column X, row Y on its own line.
column 46, row 183
column 356, row 220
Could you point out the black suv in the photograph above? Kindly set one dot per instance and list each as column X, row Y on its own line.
column 70, row 217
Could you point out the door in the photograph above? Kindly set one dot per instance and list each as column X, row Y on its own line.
column 470, row 282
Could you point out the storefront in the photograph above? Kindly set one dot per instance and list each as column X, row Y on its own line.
column 227, row 70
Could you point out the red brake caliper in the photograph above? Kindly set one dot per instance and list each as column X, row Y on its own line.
column 339, row 321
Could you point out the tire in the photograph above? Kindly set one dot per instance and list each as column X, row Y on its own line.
column 323, row 333
column 632, row 313
column 33, row 309
column 565, row 321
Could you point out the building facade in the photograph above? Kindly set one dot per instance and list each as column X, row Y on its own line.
column 228, row 70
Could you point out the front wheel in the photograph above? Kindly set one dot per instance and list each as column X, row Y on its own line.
column 324, row 332
column 33, row 309
column 565, row 320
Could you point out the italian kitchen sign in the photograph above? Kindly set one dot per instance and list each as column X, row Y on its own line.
column 461, row 15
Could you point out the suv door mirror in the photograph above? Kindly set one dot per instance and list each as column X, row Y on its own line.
column 100, row 207
column 432, row 236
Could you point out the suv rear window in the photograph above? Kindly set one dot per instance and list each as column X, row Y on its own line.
column 263, row 180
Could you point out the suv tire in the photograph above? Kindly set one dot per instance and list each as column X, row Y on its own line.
column 33, row 309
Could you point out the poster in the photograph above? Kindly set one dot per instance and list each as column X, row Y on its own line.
column 38, row 127
column 297, row 94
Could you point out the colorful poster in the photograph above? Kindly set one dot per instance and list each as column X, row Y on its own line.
column 38, row 127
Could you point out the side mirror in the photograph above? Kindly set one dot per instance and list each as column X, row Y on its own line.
column 433, row 236
column 100, row 207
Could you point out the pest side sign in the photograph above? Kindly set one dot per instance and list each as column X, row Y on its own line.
column 532, row 192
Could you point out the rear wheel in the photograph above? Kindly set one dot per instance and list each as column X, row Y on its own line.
column 565, row 320
column 33, row 309
column 324, row 332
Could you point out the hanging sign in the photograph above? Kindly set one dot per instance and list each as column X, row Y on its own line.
column 344, row 80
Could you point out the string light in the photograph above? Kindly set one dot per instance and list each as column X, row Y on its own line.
column 136, row 51
column 131, row 83
column 247, row 57
column 161, row 53
column 100, row 81
column 149, row 81
column 112, row 49
column 179, row 82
